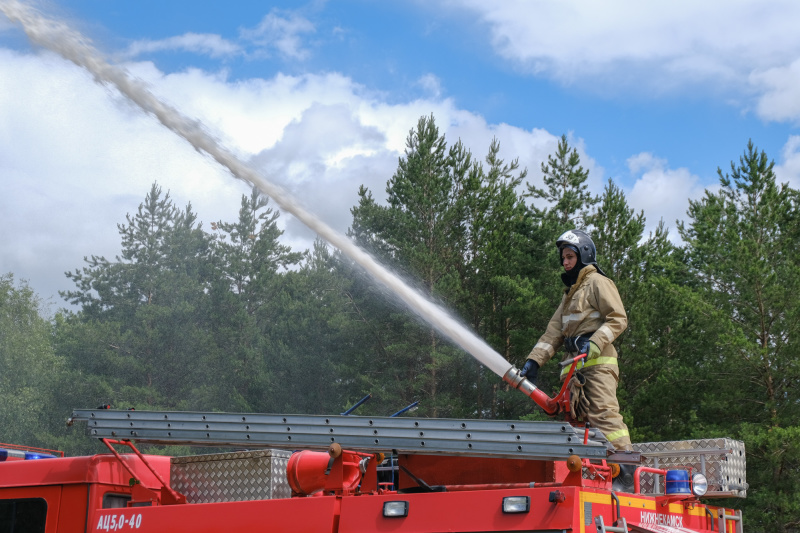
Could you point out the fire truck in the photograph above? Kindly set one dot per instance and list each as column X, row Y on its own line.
column 349, row 474
column 354, row 474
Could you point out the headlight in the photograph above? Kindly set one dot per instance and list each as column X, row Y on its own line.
column 395, row 509
column 699, row 485
column 516, row 504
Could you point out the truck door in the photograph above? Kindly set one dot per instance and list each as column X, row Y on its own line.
column 29, row 509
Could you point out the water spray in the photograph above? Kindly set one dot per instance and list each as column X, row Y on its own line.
column 73, row 46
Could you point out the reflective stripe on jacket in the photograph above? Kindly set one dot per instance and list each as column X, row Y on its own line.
column 592, row 304
column 596, row 361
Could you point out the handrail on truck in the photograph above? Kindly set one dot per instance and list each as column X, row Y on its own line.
column 168, row 493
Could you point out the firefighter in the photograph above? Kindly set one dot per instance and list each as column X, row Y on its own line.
column 588, row 320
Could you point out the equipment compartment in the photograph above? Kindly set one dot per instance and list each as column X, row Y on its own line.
column 722, row 461
column 235, row 476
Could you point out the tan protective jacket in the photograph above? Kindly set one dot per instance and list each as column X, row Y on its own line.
column 592, row 304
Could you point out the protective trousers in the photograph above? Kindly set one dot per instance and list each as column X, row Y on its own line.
column 602, row 408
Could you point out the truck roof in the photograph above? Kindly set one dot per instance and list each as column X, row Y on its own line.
column 102, row 468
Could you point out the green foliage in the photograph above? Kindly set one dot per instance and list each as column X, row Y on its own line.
column 28, row 367
column 460, row 230
column 246, row 287
column 742, row 250
column 743, row 247
column 617, row 232
column 567, row 190
column 142, row 313
column 418, row 233
column 773, row 456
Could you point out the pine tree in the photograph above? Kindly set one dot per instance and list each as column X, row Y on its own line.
column 616, row 231
column 569, row 206
column 462, row 230
column 151, row 300
column 742, row 245
column 498, row 225
column 567, row 192
column 419, row 233
column 247, row 256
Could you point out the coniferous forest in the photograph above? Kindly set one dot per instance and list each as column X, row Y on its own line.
column 223, row 316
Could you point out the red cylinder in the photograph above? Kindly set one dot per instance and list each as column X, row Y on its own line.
column 306, row 472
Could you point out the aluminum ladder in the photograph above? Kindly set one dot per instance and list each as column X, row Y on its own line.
column 480, row 438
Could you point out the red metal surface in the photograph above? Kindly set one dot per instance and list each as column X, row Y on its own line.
column 298, row 515
column 168, row 496
column 52, row 495
column 309, row 472
column 90, row 469
column 72, row 508
column 458, row 511
column 451, row 470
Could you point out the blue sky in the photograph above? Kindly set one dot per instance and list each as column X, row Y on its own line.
column 321, row 95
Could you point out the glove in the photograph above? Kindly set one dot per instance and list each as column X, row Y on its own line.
column 591, row 350
column 578, row 403
column 530, row 370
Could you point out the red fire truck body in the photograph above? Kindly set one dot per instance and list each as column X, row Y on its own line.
column 343, row 490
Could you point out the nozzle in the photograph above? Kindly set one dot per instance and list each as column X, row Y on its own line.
column 513, row 378
column 530, row 390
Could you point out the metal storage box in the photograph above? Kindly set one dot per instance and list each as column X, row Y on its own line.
column 722, row 461
column 236, row 476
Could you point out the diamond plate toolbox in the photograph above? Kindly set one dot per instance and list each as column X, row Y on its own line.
column 721, row 460
column 235, row 476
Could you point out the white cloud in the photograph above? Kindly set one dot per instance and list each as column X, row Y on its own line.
column 431, row 84
column 654, row 46
column 788, row 171
column 74, row 160
column 662, row 193
column 645, row 161
column 200, row 43
column 248, row 115
column 281, row 30
column 779, row 89
column 75, row 157
column 278, row 32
